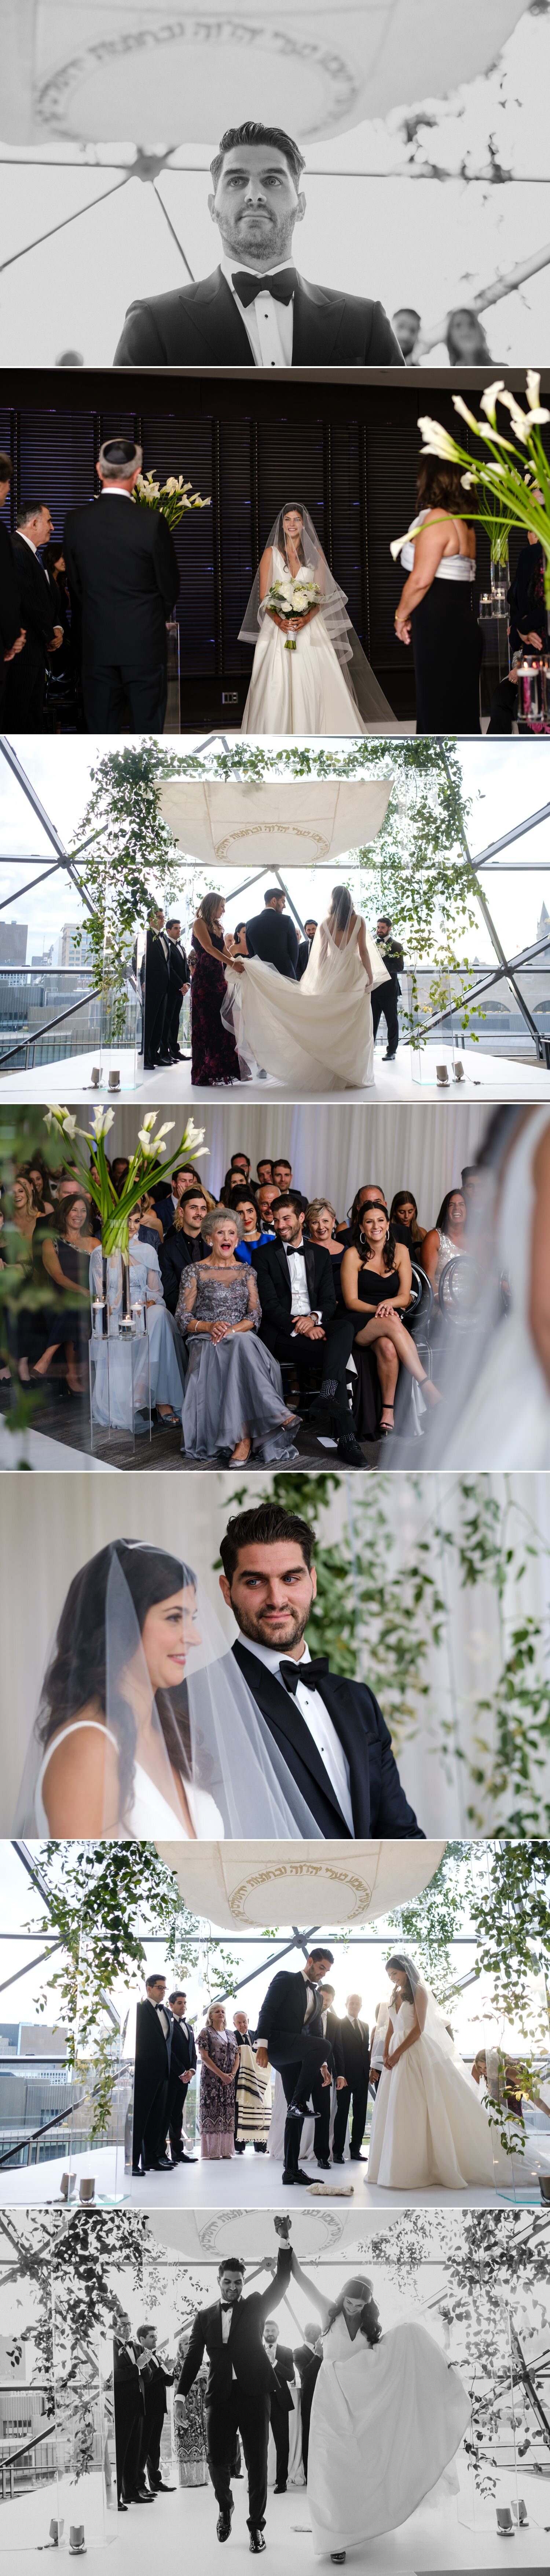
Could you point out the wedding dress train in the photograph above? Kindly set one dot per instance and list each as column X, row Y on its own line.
column 386, row 2420
column 428, row 2124
column 316, row 1036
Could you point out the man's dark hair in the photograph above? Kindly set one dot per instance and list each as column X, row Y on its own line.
column 239, row 1156
column 468, row 1172
column 156, row 1979
column 6, row 467
column 179, row 1995
column 232, row 2263
column 30, row 510
column 251, row 133
column 281, row 1162
column 322, row 1953
column 273, row 894
column 142, row 2331
column 263, row 1526
column 385, row 916
column 288, row 1198
column 173, row 917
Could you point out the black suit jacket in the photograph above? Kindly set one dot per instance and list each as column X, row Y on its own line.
column 125, row 2371
column 201, row 325
column 152, row 2049
column 38, row 609
column 283, row 2366
column 284, row 2007
column 11, row 619
column 271, row 936
column 177, row 966
column 155, row 973
column 122, row 568
column 244, row 2352
column 334, row 2034
column 175, row 1255
column 275, row 1288
column 378, row 1801
column 183, row 2051
column 303, row 957
column 356, row 2050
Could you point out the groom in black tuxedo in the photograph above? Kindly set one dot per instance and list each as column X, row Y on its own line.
column 332, row 1736
column 241, row 2382
column 291, row 2038
column 272, row 936
column 256, row 309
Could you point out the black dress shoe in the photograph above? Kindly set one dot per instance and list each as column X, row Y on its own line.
column 323, row 2163
column 257, row 2542
column 287, row 2177
column 300, row 2176
column 390, row 1055
column 356, row 2158
column 280, row 2490
column 161, row 2164
column 160, row 2487
column 138, row 2173
column 225, row 2518
column 122, row 2508
column 349, row 1451
column 337, row 2160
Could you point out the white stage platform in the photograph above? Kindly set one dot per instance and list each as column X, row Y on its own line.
column 34, row 1449
column 436, row 2539
column 493, row 1077
column 248, row 2182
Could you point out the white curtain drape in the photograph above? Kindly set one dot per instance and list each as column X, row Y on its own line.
column 43, row 1546
column 421, row 1146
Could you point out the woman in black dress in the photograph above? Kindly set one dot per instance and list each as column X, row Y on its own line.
column 437, row 610
column 66, row 1262
column 376, row 1277
column 213, row 1051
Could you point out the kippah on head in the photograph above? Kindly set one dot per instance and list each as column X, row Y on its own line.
column 119, row 456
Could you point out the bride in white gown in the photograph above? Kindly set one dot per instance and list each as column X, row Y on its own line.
column 428, row 2125
column 317, row 1035
column 145, row 1726
column 387, row 2419
column 321, row 682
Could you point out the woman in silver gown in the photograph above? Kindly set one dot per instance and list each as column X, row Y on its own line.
column 234, row 1403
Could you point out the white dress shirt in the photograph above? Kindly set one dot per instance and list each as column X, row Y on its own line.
column 269, row 325
column 163, row 2017
column 312, row 1709
column 301, row 1304
column 227, row 2314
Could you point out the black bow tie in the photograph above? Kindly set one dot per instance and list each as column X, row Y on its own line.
column 310, row 1674
column 247, row 287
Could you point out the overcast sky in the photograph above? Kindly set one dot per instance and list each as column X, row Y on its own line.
column 506, row 781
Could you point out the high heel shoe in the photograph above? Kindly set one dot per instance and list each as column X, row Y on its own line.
column 385, row 1428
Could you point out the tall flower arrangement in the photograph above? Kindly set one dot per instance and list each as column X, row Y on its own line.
column 174, row 497
column 511, row 481
column 148, row 1165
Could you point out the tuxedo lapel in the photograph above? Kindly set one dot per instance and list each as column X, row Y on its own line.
column 355, row 1746
column 309, row 1250
column 279, row 1250
column 285, row 1719
column 317, row 321
column 218, row 322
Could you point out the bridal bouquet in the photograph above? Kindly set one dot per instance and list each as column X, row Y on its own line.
column 173, row 497
column 292, row 597
column 146, row 1167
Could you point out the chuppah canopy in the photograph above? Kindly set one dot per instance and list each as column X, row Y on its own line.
column 233, row 1883
column 108, row 69
column 273, row 823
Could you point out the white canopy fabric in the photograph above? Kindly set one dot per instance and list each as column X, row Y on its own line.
column 104, row 70
column 196, row 2234
column 233, row 1883
column 272, row 822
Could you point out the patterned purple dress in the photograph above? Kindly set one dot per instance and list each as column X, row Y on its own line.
column 213, row 1051
column 216, row 2117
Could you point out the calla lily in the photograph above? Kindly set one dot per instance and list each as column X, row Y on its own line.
column 437, row 440
column 490, row 398
column 465, row 414
column 103, row 1119
column 146, row 1141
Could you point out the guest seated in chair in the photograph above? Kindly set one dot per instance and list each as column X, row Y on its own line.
column 376, row 1276
column 112, row 1399
column 234, row 1402
column 182, row 1242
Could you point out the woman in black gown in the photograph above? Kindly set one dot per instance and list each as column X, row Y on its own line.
column 376, row 1285
column 437, row 610
column 66, row 1263
column 213, row 1051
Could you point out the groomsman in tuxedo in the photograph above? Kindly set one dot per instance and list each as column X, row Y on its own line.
column 156, row 2380
column 129, row 2367
column 291, row 2038
column 355, row 2043
column 156, row 975
column 308, row 2358
column 272, row 936
column 256, row 309
column 280, row 2405
column 151, row 2079
column 178, row 983
column 329, row 1730
column 12, row 633
column 384, row 1001
column 304, row 951
column 332, row 2031
column 123, row 570
column 300, row 1320
column 241, row 2381
column 27, row 672
column 183, row 2059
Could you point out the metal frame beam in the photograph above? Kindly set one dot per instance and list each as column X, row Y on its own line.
column 542, row 1051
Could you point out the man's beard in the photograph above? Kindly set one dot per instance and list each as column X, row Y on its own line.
column 269, row 242
column 251, row 1627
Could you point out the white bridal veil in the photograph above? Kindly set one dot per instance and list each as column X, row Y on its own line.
column 360, row 680
column 204, row 1727
column 428, row 2013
